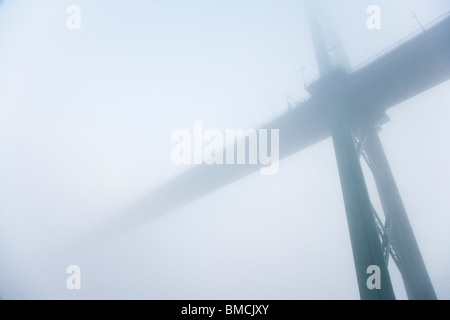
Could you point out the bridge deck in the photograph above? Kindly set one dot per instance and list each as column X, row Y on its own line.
column 411, row 68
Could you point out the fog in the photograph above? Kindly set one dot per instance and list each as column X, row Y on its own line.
column 86, row 118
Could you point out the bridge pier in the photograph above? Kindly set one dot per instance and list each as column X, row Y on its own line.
column 410, row 263
column 366, row 244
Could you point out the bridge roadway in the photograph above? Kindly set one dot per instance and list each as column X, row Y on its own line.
column 399, row 74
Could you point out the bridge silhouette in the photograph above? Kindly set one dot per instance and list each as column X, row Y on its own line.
column 349, row 106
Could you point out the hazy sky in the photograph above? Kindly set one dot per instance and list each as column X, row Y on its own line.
column 86, row 118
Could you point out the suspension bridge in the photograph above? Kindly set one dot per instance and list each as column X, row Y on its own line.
column 348, row 105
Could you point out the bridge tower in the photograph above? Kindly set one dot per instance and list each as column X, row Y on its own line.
column 373, row 241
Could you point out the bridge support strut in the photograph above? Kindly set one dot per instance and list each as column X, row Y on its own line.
column 366, row 244
column 401, row 236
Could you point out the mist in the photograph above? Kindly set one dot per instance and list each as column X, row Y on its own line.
column 86, row 119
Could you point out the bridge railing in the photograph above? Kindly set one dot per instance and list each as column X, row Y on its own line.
column 392, row 47
column 397, row 44
column 282, row 112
